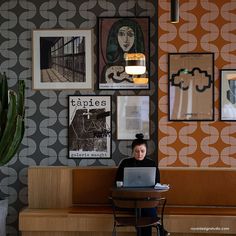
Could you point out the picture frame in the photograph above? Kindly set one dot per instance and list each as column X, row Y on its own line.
column 117, row 36
column 191, row 86
column 228, row 95
column 133, row 116
column 89, row 133
column 62, row 59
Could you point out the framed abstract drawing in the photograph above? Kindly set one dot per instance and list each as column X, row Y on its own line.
column 191, row 86
column 133, row 115
column 228, row 94
column 89, row 127
column 116, row 37
column 62, row 59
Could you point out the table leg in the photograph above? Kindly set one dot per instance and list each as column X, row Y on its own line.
column 138, row 214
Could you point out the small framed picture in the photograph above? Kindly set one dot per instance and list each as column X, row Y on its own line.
column 89, row 127
column 116, row 37
column 62, row 59
column 133, row 115
column 228, row 94
column 191, row 86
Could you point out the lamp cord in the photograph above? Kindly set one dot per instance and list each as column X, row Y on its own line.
column 135, row 29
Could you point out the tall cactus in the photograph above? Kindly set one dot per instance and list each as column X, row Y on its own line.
column 12, row 111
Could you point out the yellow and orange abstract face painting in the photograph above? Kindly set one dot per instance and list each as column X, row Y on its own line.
column 184, row 143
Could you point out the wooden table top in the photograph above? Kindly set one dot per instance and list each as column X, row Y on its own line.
column 137, row 192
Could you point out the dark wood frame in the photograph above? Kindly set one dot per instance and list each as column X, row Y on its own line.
column 227, row 97
column 180, row 67
column 89, row 126
column 104, row 25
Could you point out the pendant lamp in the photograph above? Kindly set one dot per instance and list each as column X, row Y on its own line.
column 135, row 63
column 174, row 11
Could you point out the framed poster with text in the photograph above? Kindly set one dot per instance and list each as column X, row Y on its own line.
column 89, row 126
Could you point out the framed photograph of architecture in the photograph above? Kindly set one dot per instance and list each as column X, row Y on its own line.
column 118, row 37
column 62, row 59
column 228, row 94
column 89, row 127
column 133, row 115
column 191, row 86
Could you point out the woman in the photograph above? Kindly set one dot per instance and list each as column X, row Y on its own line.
column 139, row 150
column 139, row 159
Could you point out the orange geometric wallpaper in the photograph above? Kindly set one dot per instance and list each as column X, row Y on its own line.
column 204, row 26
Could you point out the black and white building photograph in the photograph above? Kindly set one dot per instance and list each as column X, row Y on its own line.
column 62, row 59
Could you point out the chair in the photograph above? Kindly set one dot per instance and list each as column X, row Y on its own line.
column 127, row 212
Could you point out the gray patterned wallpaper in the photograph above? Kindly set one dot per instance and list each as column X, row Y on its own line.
column 45, row 140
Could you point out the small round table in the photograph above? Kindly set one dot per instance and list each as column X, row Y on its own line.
column 136, row 192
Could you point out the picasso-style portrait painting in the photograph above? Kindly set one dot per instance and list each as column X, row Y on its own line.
column 118, row 36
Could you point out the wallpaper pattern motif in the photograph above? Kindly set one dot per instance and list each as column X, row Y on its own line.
column 205, row 26
column 45, row 140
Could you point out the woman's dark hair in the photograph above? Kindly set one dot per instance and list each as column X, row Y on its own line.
column 138, row 141
column 114, row 52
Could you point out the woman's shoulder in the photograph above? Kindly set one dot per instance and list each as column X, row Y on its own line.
column 150, row 161
column 126, row 160
column 129, row 162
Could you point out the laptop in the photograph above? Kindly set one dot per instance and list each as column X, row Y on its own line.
column 139, row 177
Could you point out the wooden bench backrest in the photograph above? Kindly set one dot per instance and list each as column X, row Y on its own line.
column 92, row 185
column 58, row 187
column 198, row 187
column 193, row 187
column 49, row 186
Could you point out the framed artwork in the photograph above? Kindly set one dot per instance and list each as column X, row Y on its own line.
column 62, row 59
column 133, row 115
column 117, row 36
column 228, row 94
column 191, row 86
column 89, row 126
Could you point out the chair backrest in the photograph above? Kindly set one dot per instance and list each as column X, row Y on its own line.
column 122, row 202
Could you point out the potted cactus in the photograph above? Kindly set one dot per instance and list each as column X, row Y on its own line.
column 11, row 131
column 11, row 119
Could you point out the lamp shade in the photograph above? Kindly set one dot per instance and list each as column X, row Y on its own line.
column 174, row 11
column 135, row 63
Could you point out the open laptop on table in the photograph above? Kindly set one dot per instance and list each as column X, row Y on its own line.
column 139, row 177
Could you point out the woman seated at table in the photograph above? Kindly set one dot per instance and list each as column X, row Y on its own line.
column 139, row 159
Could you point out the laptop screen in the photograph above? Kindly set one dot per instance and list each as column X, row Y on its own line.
column 139, row 176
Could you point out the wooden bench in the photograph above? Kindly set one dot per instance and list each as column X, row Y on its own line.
column 201, row 200
column 66, row 200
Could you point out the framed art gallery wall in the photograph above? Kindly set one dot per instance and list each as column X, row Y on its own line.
column 46, row 135
column 63, row 59
column 207, row 143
